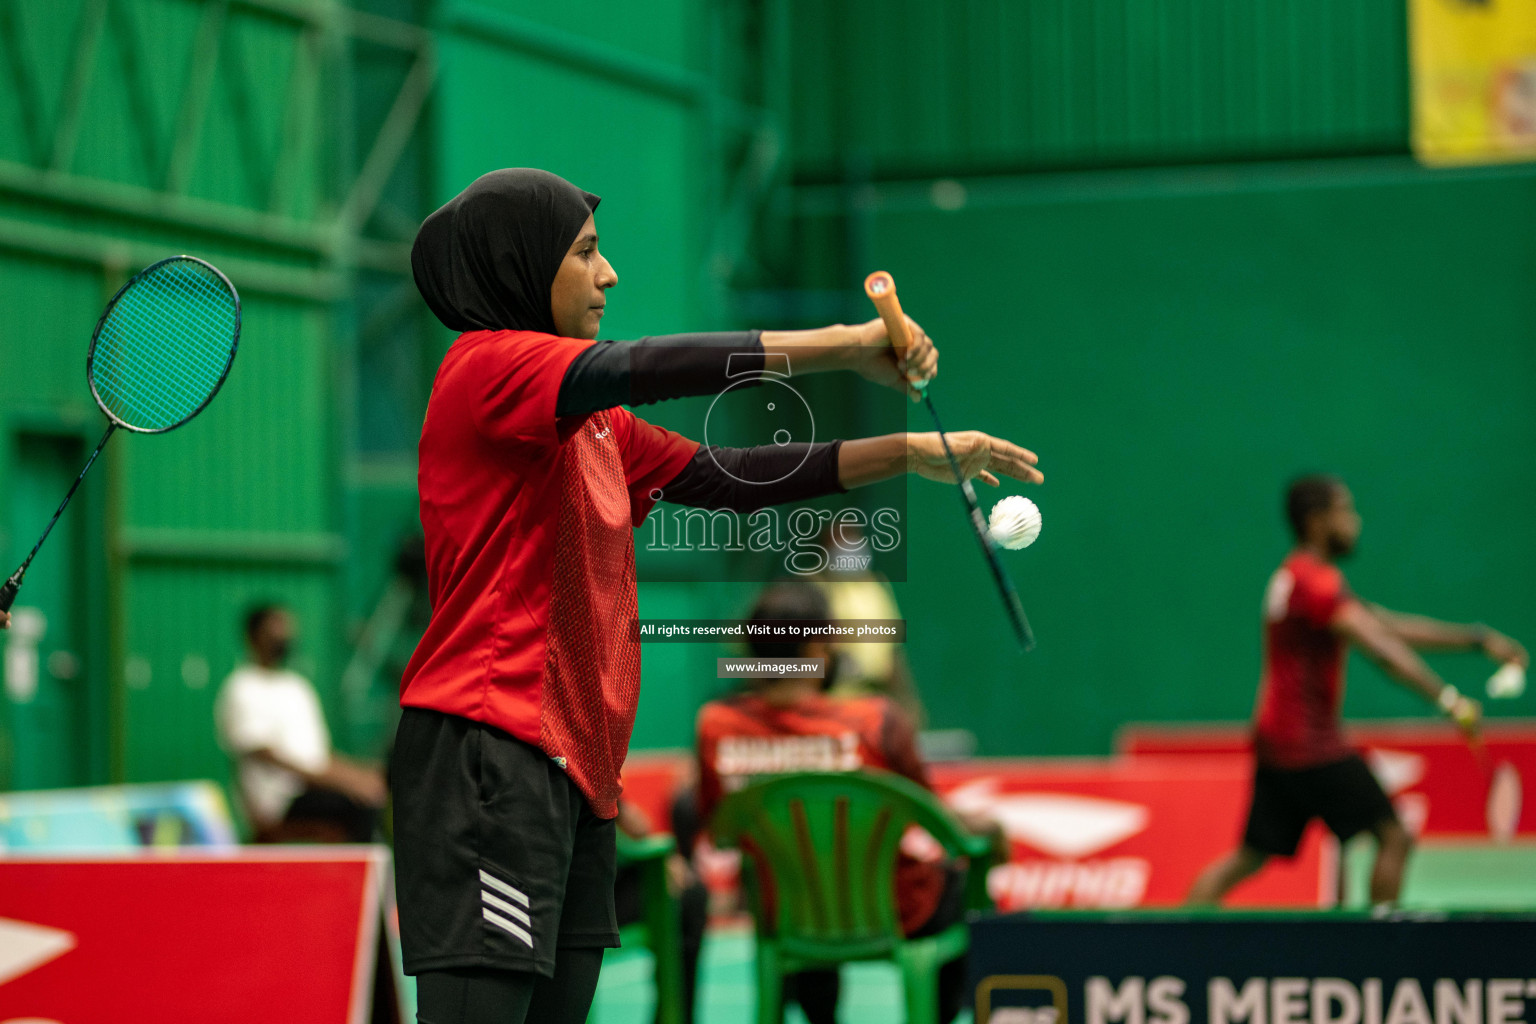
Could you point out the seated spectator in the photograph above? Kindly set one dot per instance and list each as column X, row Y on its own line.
column 761, row 731
column 293, row 787
column 864, row 669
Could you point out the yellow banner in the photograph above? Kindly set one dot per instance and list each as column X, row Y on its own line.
column 1474, row 80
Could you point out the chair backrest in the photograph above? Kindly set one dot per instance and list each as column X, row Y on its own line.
column 639, row 849
column 826, row 844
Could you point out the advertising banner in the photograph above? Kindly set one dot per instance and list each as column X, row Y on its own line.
column 248, row 937
column 1237, row 969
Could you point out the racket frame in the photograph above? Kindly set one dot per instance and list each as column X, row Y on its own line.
column 90, row 355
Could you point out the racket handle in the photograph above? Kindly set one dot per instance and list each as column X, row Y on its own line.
column 8, row 593
column 881, row 289
column 1479, row 750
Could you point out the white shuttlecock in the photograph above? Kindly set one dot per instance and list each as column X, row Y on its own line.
column 1014, row 522
column 1507, row 683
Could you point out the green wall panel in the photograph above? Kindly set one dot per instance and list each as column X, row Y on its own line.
column 184, row 639
column 243, row 502
column 1176, row 346
column 915, row 87
column 635, row 149
column 249, row 92
column 665, row 31
column 259, row 458
column 47, row 312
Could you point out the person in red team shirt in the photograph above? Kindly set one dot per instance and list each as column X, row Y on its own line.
column 790, row 724
column 1304, row 769
column 519, row 700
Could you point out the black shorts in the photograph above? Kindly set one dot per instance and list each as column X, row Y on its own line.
column 499, row 858
column 1344, row 794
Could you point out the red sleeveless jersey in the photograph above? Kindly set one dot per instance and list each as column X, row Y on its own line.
column 1297, row 722
column 530, row 554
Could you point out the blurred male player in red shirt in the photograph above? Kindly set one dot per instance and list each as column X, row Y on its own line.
column 1303, row 767
column 790, row 724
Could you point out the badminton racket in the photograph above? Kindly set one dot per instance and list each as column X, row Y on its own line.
column 881, row 289
column 160, row 352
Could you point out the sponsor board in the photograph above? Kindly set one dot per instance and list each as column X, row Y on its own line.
column 1117, row 834
column 1098, row 833
column 1298, row 969
column 1434, row 780
column 274, row 934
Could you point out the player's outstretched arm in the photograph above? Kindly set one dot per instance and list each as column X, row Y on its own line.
column 718, row 477
column 1426, row 634
column 863, row 348
column 872, row 459
column 1360, row 625
column 649, row 370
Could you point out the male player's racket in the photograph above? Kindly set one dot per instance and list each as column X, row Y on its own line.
column 1504, row 791
column 160, row 352
column 881, row 289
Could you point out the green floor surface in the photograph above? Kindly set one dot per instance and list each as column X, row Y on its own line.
column 871, row 991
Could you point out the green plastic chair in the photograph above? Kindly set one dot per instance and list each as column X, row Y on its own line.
column 828, row 842
column 658, row 929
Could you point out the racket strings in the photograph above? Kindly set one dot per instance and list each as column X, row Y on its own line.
column 142, row 396
column 165, row 346
column 140, row 321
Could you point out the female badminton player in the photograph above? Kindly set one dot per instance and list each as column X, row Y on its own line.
column 520, row 698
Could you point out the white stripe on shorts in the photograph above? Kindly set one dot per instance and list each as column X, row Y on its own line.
column 502, row 887
column 506, row 908
column 507, row 926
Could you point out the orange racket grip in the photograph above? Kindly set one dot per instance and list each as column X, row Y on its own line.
column 881, row 289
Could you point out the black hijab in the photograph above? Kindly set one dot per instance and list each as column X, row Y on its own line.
column 487, row 258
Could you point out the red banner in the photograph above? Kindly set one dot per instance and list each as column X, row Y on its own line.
column 1426, row 767
column 247, row 937
column 1125, row 833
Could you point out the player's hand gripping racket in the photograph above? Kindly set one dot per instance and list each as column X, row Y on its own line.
column 881, row 289
column 160, row 352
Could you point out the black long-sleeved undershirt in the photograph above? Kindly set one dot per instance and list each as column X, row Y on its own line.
column 612, row 373
column 680, row 365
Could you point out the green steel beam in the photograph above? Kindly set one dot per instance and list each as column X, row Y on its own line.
column 135, row 86
column 399, row 125
column 95, row 249
column 93, row 16
column 574, row 51
column 146, row 544
column 303, row 79
column 1056, row 187
column 221, row 219
column 194, row 96
column 151, row 204
column 17, row 59
column 401, row 35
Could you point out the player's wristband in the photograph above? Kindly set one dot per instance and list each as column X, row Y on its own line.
column 1448, row 699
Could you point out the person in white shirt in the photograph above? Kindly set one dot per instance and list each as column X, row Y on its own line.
column 293, row 786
